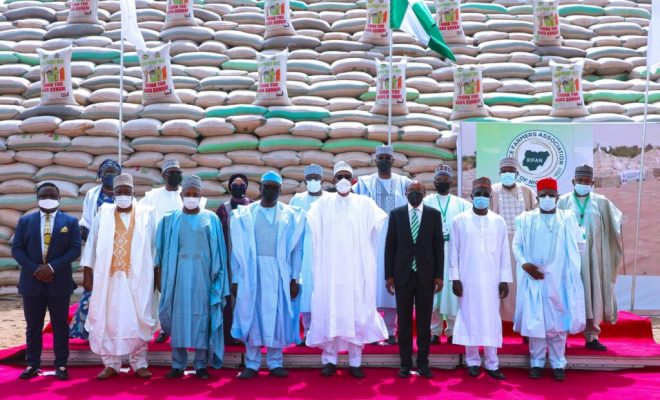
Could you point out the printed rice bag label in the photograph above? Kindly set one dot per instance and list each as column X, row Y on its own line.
column 272, row 80
column 448, row 18
column 394, row 88
column 55, row 72
column 179, row 13
column 567, row 85
column 158, row 86
column 83, row 12
column 278, row 18
column 546, row 23
column 468, row 93
column 377, row 28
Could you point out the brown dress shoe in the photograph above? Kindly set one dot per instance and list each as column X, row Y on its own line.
column 107, row 373
column 143, row 373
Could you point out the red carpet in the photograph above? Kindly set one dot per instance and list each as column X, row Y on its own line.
column 380, row 383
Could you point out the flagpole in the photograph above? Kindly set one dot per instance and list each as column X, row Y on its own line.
column 121, row 96
column 389, row 92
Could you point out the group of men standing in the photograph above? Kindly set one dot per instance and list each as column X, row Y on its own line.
column 350, row 263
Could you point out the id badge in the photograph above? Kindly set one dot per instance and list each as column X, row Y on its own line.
column 584, row 232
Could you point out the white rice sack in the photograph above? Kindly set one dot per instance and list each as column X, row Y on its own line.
column 546, row 23
column 377, row 28
column 83, row 12
column 158, row 86
column 179, row 13
column 468, row 93
column 55, row 69
column 396, row 89
column 567, row 98
column 277, row 14
column 272, row 80
column 448, row 18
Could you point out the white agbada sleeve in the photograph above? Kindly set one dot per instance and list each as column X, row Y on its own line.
column 454, row 248
column 89, row 205
column 506, row 273
column 518, row 246
column 88, row 258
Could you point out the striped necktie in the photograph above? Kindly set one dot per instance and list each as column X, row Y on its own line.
column 47, row 236
column 414, row 228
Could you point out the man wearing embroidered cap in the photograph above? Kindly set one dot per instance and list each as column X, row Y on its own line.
column 509, row 200
column 388, row 190
column 445, row 303
column 313, row 179
column 191, row 251
column 600, row 223
column 266, row 258
column 550, row 298
column 118, row 264
column 344, row 228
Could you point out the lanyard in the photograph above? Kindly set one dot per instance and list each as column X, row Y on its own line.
column 444, row 212
column 582, row 207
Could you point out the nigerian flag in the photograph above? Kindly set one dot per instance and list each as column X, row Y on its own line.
column 414, row 18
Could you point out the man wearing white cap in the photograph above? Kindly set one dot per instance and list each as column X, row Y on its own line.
column 510, row 199
column 266, row 258
column 345, row 229
column 388, row 190
column 313, row 178
column 118, row 263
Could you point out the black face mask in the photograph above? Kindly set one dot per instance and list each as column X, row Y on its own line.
column 238, row 191
column 174, row 179
column 415, row 198
column 384, row 165
column 270, row 194
column 442, row 187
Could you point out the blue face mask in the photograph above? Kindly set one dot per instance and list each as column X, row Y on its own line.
column 508, row 178
column 547, row 203
column 582, row 190
column 480, row 202
column 107, row 180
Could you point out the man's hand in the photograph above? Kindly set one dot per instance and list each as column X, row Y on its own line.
column 457, row 288
column 294, row 288
column 389, row 284
column 234, row 289
column 88, row 279
column 533, row 271
column 157, row 277
column 438, row 284
column 44, row 273
column 504, row 289
column 84, row 232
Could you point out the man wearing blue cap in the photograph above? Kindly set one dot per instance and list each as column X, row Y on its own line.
column 313, row 178
column 388, row 190
column 266, row 258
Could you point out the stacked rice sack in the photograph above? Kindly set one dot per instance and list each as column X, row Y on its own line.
column 230, row 104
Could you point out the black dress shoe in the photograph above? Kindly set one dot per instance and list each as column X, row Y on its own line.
column 559, row 374
column 496, row 374
column 450, row 340
column 303, row 343
column 62, row 373
column 162, row 337
column 404, row 372
column 29, row 373
column 596, row 345
column 279, row 372
column 525, row 340
column 174, row 373
column 391, row 340
column 248, row 373
column 535, row 372
column 425, row 372
column 435, row 339
column 473, row 371
column 356, row 372
column 329, row 369
column 202, row 373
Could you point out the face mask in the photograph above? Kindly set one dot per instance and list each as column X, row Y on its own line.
column 480, row 202
column 174, row 179
column 49, row 204
column 270, row 194
column 442, row 187
column 415, row 198
column 343, row 186
column 123, row 201
column 107, row 180
column 384, row 165
column 314, row 186
column 191, row 203
column 547, row 203
column 238, row 191
column 582, row 190
column 508, row 178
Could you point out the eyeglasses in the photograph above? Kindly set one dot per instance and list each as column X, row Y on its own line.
column 340, row 177
column 481, row 194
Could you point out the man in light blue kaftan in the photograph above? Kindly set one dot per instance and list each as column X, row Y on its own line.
column 550, row 296
column 190, row 249
column 267, row 252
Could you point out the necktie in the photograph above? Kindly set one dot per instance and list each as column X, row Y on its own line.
column 414, row 228
column 47, row 236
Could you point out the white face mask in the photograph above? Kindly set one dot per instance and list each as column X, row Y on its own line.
column 49, row 204
column 191, row 203
column 123, row 201
column 343, row 186
column 547, row 203
column 314, row 186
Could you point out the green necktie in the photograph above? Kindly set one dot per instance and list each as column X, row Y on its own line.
column 414, row 228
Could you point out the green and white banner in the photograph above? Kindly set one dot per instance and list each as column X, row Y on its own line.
column 542, row 150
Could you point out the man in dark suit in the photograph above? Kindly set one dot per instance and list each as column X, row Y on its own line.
column 414, row 259
column 45, row 244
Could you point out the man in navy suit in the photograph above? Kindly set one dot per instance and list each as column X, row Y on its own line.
column 45, row 244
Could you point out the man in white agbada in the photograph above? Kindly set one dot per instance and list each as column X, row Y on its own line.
column 388, row 190
column 550, row 302
column 118, row 262
column 445, row 303
column 480, row 271
column 345, row 229
column 313, row 178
